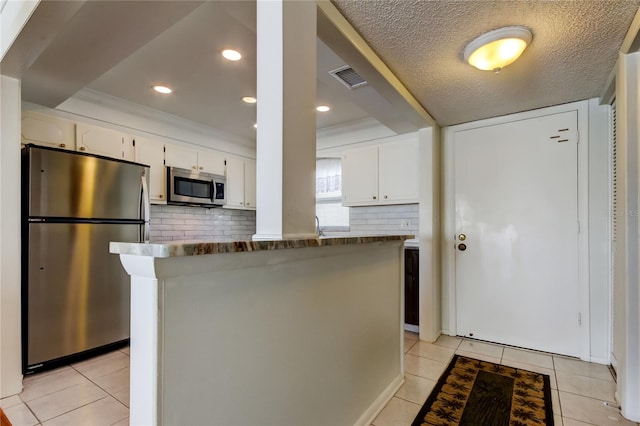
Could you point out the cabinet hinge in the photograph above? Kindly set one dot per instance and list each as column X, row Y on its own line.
column 579, row 318
column 577, row 136
column 134, row 142
column 225, row 162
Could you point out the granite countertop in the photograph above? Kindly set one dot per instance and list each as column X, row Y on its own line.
column 196, row 248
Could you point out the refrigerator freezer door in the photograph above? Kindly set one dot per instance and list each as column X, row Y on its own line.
column 78, row 293
column 70, row 185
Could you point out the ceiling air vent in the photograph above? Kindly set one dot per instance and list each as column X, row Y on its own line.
column 347, row 76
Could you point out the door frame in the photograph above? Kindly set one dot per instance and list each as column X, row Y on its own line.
column 449, row 308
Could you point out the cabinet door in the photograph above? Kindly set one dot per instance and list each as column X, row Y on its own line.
column 398, row 168
column 211, row 161
column 235, row 182
column 49, row 131
column 151, row 152
column 181, row 157
column 250, row 184
column 100, row 141
column 360, row 177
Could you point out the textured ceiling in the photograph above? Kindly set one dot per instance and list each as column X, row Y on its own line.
column 574, row 48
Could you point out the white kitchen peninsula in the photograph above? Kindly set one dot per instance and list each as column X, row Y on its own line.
column 284, row 332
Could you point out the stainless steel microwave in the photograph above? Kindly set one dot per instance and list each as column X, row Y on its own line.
column 186, row 187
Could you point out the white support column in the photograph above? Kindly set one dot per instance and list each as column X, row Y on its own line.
column 286, row 134
column 10, row 353
column 628, row 261
column 430, row 297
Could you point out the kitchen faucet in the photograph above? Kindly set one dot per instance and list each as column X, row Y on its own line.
column 318, row 230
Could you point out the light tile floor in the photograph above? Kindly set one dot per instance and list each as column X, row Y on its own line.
column 579, row 390
column 96, row 391
column 91, row 392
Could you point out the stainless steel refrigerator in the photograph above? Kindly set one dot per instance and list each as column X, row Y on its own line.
column 75, row 294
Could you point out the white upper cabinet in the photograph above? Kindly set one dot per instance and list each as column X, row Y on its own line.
column 181, row 157
column 360, row 176
column 48, row 131
column 241, row 183
column 200, row 160
column 151, row 153
column 105, row 142
column 250, row 184
column 235, row 182
column 211, row 161
column 398, row 172
column 381, row 174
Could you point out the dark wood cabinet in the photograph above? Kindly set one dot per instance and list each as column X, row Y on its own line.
column 411, row 288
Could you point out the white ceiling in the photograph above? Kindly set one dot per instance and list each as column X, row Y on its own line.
column 574, row 48
column 122, row 48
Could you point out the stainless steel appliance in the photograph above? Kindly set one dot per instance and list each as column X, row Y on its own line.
column 75, row 294
column 186, row 187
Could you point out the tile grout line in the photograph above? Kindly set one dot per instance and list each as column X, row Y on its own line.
column 103, row 389
column 67, row 412
column 30, row 410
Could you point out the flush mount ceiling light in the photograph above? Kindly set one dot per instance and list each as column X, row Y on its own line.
column 323, row 108
column 162, row 89
column 232, row 55
column 249, row 99
column 496, row 49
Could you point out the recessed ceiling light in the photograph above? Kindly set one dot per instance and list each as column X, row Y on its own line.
column 323, row 108
column 255, row 125
column 232, row 55
column 162, row 89
column 249, row 99
column 496, row 49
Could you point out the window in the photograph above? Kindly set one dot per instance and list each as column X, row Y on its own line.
column 332, row 215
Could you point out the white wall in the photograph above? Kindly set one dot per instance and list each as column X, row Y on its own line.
column 599, row 231
column 627, row 343
column 10, row 353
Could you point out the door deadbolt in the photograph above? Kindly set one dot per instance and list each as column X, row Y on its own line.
column 462, row 247
column 462, row 237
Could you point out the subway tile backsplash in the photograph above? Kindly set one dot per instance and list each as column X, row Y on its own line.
column 393, row 219
column 195, row 223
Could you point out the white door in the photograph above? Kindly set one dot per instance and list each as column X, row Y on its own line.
column 517, row 214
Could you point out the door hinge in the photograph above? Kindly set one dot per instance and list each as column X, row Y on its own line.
column 579, row 318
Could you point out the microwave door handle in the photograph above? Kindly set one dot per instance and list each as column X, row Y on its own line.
column 213, row 191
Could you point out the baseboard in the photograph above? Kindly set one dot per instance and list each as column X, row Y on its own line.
column 412, row 328
column 600, row 360
column 381, row 401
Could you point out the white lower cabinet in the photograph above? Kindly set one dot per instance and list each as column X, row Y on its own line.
column 48, row 131
column 241, row 183
column 151, row 153
column 381, row 174
column 105, row 142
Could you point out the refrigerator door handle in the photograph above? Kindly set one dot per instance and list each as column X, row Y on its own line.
column 146, row 201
